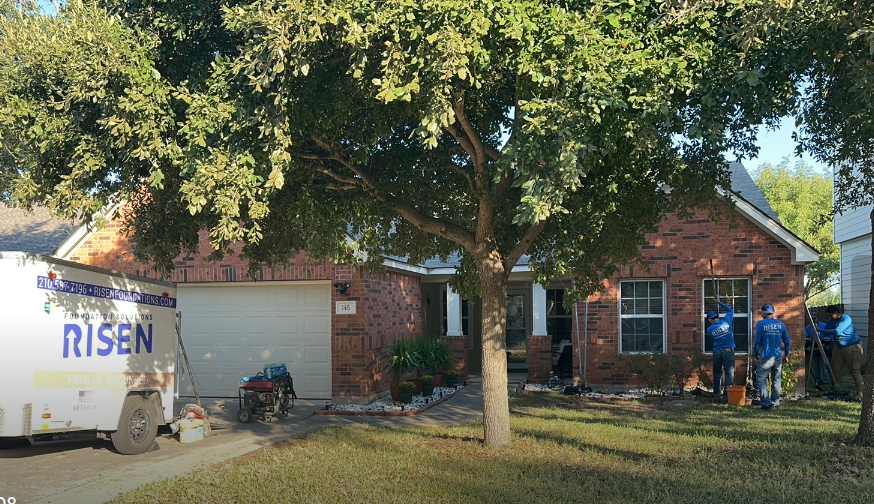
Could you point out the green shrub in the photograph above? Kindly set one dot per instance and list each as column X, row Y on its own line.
column 660, row 371
column 407, row 387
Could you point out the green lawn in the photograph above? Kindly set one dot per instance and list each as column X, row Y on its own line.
column 564, row 451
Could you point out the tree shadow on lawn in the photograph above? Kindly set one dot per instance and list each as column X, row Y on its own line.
column 744, row 423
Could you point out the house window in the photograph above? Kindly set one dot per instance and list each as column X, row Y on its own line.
column 642, row 314
column 558, row 317
column 464, row 316
column 734, row 292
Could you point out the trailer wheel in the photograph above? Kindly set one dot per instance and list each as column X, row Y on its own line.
column 244, row 415
column 136, row 427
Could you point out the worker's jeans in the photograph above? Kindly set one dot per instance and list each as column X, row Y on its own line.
column 772, row 367
column 723, row 361
column 818, row 368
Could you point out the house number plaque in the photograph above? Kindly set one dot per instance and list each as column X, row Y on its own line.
column 345, row 307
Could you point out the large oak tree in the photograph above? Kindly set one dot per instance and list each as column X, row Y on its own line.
column 558, row 130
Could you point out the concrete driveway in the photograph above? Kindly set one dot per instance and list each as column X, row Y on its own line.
column 85, row 470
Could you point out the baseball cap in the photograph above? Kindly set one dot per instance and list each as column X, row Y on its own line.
column 712, row 315
column 768, row 308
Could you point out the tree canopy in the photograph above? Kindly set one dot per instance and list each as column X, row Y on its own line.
column 829, row 45
column 802, row 198
column 560, row 130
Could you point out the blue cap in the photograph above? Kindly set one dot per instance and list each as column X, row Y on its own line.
column 712, row 315
column 768, row 308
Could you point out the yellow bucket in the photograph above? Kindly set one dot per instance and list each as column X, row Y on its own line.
column 737, row 395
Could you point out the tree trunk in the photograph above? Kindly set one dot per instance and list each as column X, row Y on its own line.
column 496, row 405
column 865, row 437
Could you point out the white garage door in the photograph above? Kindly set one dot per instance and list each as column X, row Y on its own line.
column 230, row 330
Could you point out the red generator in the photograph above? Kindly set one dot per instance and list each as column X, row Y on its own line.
column 265, row 397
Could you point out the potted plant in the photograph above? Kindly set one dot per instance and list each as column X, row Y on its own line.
column 406, row 392
column 427, row 386
column 436, row 354
column 451, row 378
column 402, row 358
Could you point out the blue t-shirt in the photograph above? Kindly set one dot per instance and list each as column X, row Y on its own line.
column 722, row 331
column 808, row 332
column 770, row 333
column 845, row 333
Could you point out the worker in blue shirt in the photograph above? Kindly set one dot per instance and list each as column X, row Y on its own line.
column 847, row 348
column 770, row 334
column 817, row 363
column 721, row 332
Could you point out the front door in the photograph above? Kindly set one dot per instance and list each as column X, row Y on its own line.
column 517, row 331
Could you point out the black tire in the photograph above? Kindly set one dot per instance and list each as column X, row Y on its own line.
column 283, row 400
column 244, row 415
column 137, row 427
column 285, row 413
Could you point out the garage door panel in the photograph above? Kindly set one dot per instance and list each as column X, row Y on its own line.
column 286, row 298
column 318, row 354
column 318, row 383
column 316, row 299
column 286, row 325
column 317, row 326
column 232, row 331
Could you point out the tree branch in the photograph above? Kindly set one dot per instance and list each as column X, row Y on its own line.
column 422, row 221
column 524, row 244
column 469, row 131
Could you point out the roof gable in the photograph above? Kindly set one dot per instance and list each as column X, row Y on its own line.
column 37, row 231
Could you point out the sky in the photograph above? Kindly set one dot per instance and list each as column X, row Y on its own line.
column 774, row 145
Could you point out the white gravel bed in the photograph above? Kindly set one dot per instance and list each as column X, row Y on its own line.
column 630, row 394
column 387, row 404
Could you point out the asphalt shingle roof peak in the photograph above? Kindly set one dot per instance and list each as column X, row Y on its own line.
column 37, row 231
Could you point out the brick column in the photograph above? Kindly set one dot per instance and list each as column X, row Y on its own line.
column 458, row 344
column 539, row 358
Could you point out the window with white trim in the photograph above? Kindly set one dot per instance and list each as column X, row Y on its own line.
column 734, row 292
column 464, row 314
column 558, row 317
column 642, row 316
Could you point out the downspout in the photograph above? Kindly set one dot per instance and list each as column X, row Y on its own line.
column 586, row 346
column 582, row 362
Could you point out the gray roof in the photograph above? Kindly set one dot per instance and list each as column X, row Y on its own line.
column 36, row 231
column 742, row 185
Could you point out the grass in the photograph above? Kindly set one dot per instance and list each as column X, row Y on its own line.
column 564, row 451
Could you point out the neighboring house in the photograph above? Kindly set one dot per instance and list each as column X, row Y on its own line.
column 332, row 341
column 35, row 231
column 853, row 233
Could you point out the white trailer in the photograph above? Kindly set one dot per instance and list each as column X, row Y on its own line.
column 84, row 349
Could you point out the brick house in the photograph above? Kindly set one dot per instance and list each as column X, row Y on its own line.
column 332, row 336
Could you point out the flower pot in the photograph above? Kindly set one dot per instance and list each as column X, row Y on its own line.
column 427, row 390
column 438, row 380
column 450, row 383
column 395, row 392
column 737, row 395
column 406, row 398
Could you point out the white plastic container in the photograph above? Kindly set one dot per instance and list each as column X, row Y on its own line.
column 188, row 436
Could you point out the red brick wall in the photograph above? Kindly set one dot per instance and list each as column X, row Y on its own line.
column 389, row 307
column 680, row 255
column 539, row 358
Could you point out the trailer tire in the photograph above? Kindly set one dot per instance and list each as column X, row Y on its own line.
column 137, row 427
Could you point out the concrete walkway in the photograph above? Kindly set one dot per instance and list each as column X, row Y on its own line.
column 82, row 469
